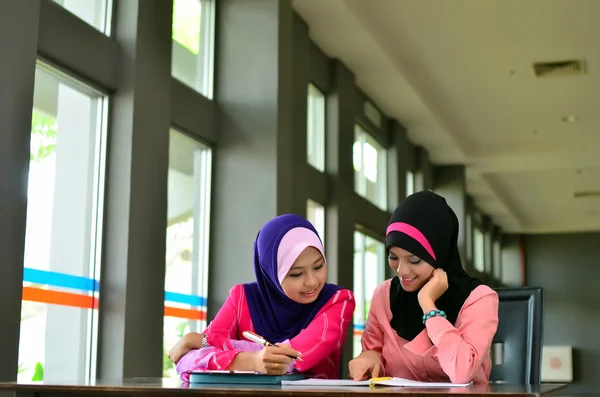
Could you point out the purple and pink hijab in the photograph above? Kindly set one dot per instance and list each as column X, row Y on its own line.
column 278, row 243
column 426, row 226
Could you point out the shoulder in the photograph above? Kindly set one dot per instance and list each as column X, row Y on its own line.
column 341, row 296
column 482, row 299
column 342, row 303
column 237, row 292
column 482, row 292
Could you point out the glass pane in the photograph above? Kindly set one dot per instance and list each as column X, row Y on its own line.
column 487, row 249
column 315, row 131
column 370, row 168
column 372, row 113
column 497, row 260
column 63, row 235
column 94, row 12
column 478, row 250
column 469, row 236
column 359, row 292
column 193, row 44
column 410, row 183
column 186, row 277
column 315, row 213
column 369, row 272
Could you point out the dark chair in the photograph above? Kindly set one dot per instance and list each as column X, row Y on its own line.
column 517, row 345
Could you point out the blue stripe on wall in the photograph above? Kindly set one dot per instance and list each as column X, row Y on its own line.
column 60, row 280
column 86, row 284
column 185, row 299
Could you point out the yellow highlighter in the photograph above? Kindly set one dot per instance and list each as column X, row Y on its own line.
column 373, row 381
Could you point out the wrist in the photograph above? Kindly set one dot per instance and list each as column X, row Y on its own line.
column 427, row 305
column 372, row 353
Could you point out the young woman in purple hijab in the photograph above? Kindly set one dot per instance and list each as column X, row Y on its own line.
column 290, row 304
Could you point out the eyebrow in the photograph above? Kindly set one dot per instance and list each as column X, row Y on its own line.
column 405, row 256
column 301, row 267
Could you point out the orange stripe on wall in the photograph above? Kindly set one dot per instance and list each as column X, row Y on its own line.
column 358, row 333
column 184, row 313
column 59, row 298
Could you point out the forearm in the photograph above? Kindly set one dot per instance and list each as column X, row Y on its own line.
column 193, row 340
column 243, row 361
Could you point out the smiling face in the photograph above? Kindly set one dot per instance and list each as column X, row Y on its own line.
column 306, row 277
column 412, row 270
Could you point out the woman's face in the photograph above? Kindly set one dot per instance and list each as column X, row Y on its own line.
column 306, row 277
column 413, row 271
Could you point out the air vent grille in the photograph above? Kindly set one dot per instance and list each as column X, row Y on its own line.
column 559, row 68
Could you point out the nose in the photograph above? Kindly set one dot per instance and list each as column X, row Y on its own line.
column 310, row 280
column 401, row 270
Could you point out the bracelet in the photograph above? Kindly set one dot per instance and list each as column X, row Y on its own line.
column 205, row 341
column 433, row 313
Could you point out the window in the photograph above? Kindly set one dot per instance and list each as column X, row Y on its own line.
column 94, row 12
column 410, row 183
column 469, row 236
column 188, row 221
column 372, row 113
column 193, row 44
column 369, row 272
column 488, row 251
column 370, row 173
column 497, row 259
column 64, row 231
column 478, row 250
column 315, row 213
column 315, row 128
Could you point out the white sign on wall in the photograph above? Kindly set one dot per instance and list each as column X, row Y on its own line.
column 557, row 364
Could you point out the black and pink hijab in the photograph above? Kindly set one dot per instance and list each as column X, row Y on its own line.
column 425, row 225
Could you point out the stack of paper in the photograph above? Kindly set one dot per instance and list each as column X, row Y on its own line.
column 394, row 382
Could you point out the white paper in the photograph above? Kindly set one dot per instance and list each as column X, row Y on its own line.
column 413, row 383
column 325, row 382
column 394, row 382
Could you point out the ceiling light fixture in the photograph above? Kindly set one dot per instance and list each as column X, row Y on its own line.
column 569, row 119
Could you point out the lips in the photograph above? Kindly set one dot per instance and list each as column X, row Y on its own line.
column 407, row 280
column 309, row 294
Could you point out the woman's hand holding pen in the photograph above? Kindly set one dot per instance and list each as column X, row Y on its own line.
column 274, row 360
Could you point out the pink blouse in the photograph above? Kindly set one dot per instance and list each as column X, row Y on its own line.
column 320, row 343
column 442, row 352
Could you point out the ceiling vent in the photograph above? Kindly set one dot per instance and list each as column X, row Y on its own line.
column 587, row 193
column 559, row 68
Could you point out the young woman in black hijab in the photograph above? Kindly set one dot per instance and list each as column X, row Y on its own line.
column 432, row 323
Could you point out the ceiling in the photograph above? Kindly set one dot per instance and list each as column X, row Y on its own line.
column 459, row 75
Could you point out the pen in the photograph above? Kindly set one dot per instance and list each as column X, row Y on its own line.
column 262, row 341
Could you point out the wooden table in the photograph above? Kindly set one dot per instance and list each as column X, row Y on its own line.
column 156, row 387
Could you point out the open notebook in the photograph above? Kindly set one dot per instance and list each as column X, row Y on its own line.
column 394, row 382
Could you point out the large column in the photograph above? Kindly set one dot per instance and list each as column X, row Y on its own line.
column 18, row 45
column 260, row 162
column 133, row 266
column 340, row 219
column 450, row 182
column 424, row 179
column 399, row 163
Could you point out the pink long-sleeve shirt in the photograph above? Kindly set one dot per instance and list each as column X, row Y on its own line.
column 442, row 352
column 320, row 343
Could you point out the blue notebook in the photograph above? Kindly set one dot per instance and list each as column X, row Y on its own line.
column 240, row 378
